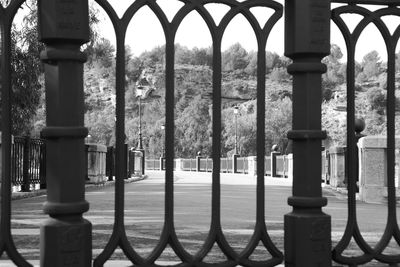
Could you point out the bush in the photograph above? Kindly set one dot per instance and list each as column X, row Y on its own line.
column 377, row 100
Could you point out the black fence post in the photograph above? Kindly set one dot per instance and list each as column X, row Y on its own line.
column 307, row 41
column 25, row 187
column 66, row 237
column 42, row 165
column 162, row 159
column 198, row 162
column 110, row 163
column 274, row 155
column 234, row 163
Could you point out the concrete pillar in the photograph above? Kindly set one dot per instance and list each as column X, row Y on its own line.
column 325, row 166
column 178, row 165
column 337, row 158
column 66, row 238
column 138, row 163
column 252, row 164
column 290, row 165
column 96, row 159
column 373, row 168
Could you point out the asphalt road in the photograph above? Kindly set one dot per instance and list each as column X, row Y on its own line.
column 144, row 213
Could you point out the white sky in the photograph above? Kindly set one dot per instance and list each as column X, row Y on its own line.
column 194, row 33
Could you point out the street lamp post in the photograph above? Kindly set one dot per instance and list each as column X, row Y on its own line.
column 236, row 112
column 236, row 154
column 163, row 148
column 139, row 94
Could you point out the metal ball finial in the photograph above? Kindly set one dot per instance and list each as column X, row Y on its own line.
column 359, row 125
column 275, row 148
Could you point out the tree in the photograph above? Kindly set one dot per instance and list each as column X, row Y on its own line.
column 102, row 51
column 251, row 68
column 192, row 129
column 377, row 100
column 234, row 58
column 335, row 74
column 278, row 121
column 246, row 130
column 195, row 56
column 279, row 75
column 27, row 71
column 371, row 64
column 271, row 60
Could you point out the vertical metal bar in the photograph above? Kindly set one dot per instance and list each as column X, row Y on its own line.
column 216, row 136
column 126, row 161
column 6, row 147
column 391, row 141
column 307, row 228
column 260, row 141
column 110, row 163
column 6, row 241
column 120, row 131
column 169, row 130
column 65, row 235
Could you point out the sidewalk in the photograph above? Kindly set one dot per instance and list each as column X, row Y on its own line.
column 187, row 177
column 41, row 192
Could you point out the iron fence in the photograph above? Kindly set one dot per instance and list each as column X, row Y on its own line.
column 206, row 164
column 188, row 164
column 242, row 165
column 307, row 228
column 152, row 164
column 28, row 162
column 133, row 160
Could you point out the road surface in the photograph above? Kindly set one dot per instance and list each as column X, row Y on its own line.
column 144, row 213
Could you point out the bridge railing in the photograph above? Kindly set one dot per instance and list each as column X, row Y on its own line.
column 244, row 165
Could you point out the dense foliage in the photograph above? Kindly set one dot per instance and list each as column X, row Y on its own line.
column 27, row 89
column 193, row 94
column 193, row 100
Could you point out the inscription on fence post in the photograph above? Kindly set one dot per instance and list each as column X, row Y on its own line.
column 307, row 41
column 65, row 236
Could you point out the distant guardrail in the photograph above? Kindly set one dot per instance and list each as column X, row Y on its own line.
column 275, row 165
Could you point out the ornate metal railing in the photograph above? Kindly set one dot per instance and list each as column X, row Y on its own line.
column 28, row 165
column 168, row 236
column 64, row 27
column 369, row 17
